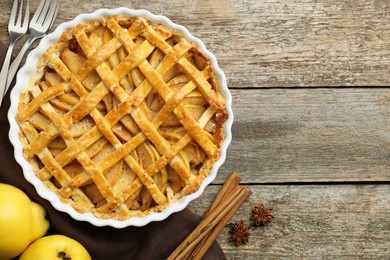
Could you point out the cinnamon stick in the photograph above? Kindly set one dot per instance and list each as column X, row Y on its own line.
column 230, row 184
column 201, row 249
column 229, row 199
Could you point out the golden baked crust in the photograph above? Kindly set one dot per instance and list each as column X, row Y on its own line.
column 122, row 118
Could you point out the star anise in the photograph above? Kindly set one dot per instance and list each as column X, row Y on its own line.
column 239, row 233
column 261, row 214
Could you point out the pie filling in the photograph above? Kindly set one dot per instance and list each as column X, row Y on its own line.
column 122, row 118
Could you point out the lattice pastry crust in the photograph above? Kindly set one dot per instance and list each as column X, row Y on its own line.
column 122, row 118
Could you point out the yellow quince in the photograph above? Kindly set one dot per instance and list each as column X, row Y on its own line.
column 22, row 221
column 55, row 247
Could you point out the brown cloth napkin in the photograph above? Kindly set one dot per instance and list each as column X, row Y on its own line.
column 154, row 241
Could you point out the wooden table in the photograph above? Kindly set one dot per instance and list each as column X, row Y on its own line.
column 310, row 81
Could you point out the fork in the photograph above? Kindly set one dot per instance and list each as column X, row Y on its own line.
column 16, row 30
column 40, row 24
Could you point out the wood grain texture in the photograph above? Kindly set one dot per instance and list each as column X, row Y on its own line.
column 274, row 43
column 313, row 222
column 305, row 135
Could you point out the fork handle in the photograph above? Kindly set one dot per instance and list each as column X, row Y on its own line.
column 4, row 70
column 15, row 64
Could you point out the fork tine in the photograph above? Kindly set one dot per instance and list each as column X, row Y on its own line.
column 38, row 11
column 13, row 11
column 54, row 15
column 20, row 14
column 27, row 14
column 51, row 15
column 43, row 15
column 17, row 10
column 15, row 31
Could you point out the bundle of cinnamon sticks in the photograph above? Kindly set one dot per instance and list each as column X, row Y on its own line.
column 226, row 203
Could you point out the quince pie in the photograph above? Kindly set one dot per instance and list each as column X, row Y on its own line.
column 122, row 118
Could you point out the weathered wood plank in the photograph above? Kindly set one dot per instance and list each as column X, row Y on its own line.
column 312, row 222
column 304, row 135
column 275, row 43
